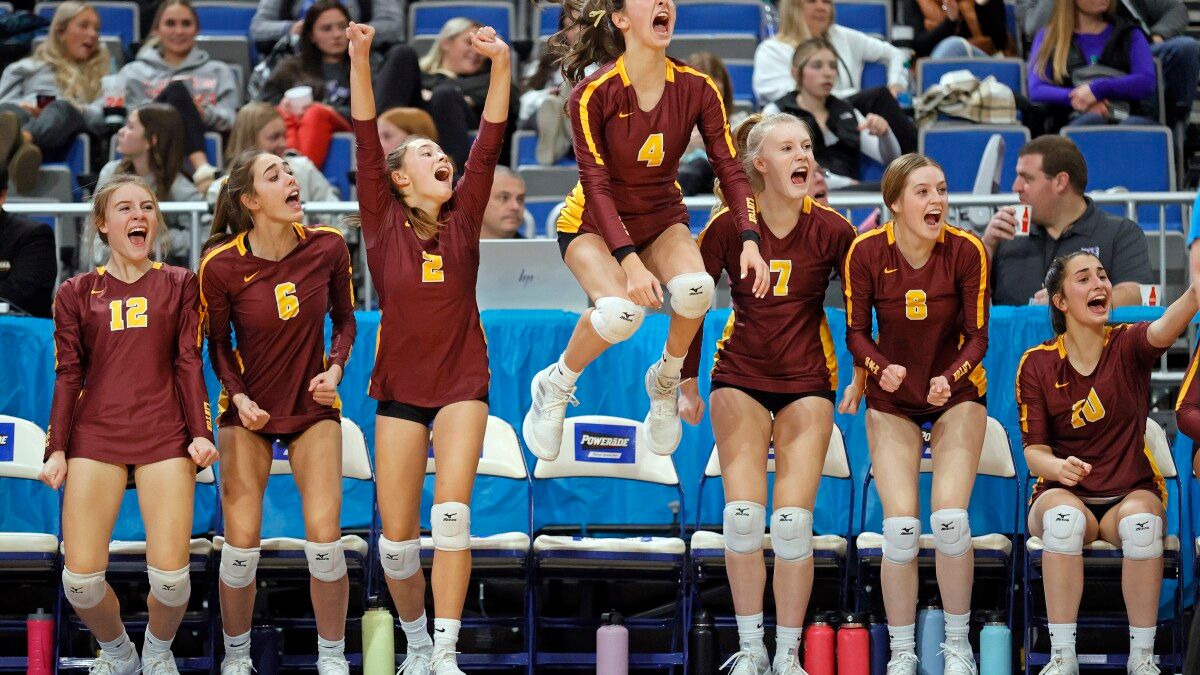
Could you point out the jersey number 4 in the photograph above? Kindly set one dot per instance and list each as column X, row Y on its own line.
column 286, row 301
column 784, row 268
column 1089, row 409
column 914, row 305
column 128, row 313
column 652, row 150
column 431, row 269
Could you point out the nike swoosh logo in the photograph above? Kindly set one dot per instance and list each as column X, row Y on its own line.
column 1060, row 385
column 623, row 115
column 248, row 278
column 439, row 630
column 889, row 270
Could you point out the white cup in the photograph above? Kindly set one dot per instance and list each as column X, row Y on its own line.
column 298, row 98
column 1151, row 295
column 1024, row 216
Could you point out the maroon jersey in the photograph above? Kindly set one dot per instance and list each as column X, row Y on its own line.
column 1099, row 418
column 629, row 158
column 277, row 311
column 932, row 320
column 130, row 380
column 780, row 343
column 431, row 350
column 1187, row 406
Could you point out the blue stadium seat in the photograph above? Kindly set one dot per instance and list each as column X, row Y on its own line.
column 547, row 20
column 525, row 151
column 78, row 160
column 741, row 74
column 340, row 162
column 873, row 17
column 427, row 18
column 725, row 17
column 873, row 75
column 958, row 148
column 220, row 17
column 1108, row 151
column 1008, row 71
column 116, row 18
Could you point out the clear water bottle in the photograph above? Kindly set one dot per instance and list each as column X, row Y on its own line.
column 770, row 20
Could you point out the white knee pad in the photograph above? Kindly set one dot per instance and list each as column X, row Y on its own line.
column 171, row 588
column 951, row 531
column 691, row 294
column 400, row 559
column 451, row 526
column 1062, row 530
column 1141, row 536
column 745, row 526
column 238, row 565
column 84, row 591
column 901, row 539
column 326, row 562
column 616, row 319
column 791, row 533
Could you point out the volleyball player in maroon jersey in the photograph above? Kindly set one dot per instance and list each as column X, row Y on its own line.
column 1187, row 409
column 431, row 368
column 129, row 398
column 1083, row 399
column 927, row 284
column 272, row 281
column 774, row 379
column 625, row 227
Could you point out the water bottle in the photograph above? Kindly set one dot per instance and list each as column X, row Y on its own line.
column 702, row 645
column 378, row 639
column 39, row 641
column 770, row 20
column 853, row 647
column 995, row 646
column 818, row 647
column 881, row 647
column 931, row 633
column 612, row 646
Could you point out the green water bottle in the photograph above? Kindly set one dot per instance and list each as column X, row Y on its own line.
column 378, row 639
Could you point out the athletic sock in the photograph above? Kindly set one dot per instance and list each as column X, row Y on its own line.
column 1062, row 639
column 333, row 649
column 958, row 627
column 750, row 631
column 119, row 649
column 152, row 646
column 903, row 639
column 417, row 633
column 669, row 367
column 1141, row 639
column 237, row 645
column 445, row 635
column 786, row 640
column 562, row 375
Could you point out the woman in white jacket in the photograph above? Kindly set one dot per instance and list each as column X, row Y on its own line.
column 66, row 69
column 800, row 20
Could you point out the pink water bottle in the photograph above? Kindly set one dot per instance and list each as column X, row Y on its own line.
column 853, row 647
column 39, row 638
column 818, row 647
column 612, row 646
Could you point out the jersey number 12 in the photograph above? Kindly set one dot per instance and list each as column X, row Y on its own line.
column 129, row 313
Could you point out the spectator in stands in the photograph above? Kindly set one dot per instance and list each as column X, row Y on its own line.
column 958, row 28
column 398, row 124
column 505, row 212
column 544, row 95
column 696, row 174
column 843, row 134
column 1051, row 179
column 1166, row 22
column 1090, row 66
column 67, row 68
column 800, row 20
column 276, row 18
column 323, row 65
column 151, row 146
column 171, row 69
column 28, row 268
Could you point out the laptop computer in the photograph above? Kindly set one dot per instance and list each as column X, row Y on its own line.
column 526, row 274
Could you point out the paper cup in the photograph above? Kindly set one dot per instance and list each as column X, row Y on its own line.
column 1024, row 216
column 1152, row 295
column 298, row 98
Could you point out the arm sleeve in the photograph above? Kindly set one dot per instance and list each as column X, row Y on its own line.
column 1187, row 407
column 860, row 299
column 220, row 115
column 341, row 305
column 1041, row 89
column 68, row 367
column 189, row 365
column 30, row 281
column 374, row 190
column 268, row 23
column 1172, row 22
column 587, row 123
column 882, row 149
column 214, row 302
column 712, row 251
column 10, row 82
column 714, row 128
column 1140, row 81
column 1130, row 256
column 772, row 71
column 475, row 188
column 1031, row 407
column 973, row 289
column 387, row 16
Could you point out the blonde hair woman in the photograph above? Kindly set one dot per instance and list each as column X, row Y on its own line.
column 66, row 69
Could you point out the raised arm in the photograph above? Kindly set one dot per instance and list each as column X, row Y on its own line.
column 474, row 189
column 1167, row 328
column 189, row 366
column 68, row 367
column 374, row 190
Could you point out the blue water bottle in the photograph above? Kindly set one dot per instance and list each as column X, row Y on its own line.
column 995, row 646
column 931, row 633
column 881, row 646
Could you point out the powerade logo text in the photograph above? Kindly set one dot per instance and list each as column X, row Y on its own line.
column 927, row 441
column 607, row 443
column 279, row 451
column 8, row 441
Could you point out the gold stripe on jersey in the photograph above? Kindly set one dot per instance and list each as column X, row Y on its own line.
column 1021, row 406
column 570, row 218
column 830, row 352
column 236, row 241
column 583, row 109
column 846, row 272
column 1159, row 481
column 712, row 218
column 979, row 379
column 983, row 271
column 1187, row 382
column 725, row 335
column 711, row 85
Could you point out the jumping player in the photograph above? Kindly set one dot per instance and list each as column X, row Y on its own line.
column 927, row 283
column 129, row 398
column 274, row 280
column 422, row 239
column 1083, row 399
column 625, row 226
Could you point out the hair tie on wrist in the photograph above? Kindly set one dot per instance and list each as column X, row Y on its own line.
column 598, row 15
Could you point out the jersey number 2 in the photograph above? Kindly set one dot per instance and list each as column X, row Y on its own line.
column 652, row 150
column 431, row 269
column 914, row 305
column 130, row 313
column 286, row 301
column 784, row 268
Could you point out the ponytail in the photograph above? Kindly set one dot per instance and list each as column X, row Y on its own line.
column 231, row 217
column 598, row 40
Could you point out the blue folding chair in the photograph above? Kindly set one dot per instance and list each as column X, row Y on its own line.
column 340, row 162
column 1008, row 71
column 78, row 160
column 544, row 211
column 829, row 550
column 1108, row 151
column 1101, row 558
column 547, row 20
column 219, row 17
column 741, row 74
column 736, row 17
column 427, row 18
column 873, row 75
column 873, row 17
column 116, row 18
column 959, row 148
column 28, row 560
column 637, row 570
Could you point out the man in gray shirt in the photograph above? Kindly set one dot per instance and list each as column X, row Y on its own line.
column 1051, row 179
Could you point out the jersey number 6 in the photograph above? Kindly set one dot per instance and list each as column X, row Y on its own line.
column 130, row 313
column 914, row 305
column 652, row 150
column 286, row 301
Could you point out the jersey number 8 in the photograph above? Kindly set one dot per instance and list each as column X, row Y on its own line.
column 914, row 305
column 130, row 313
column 286, row 301
column 652, row 150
